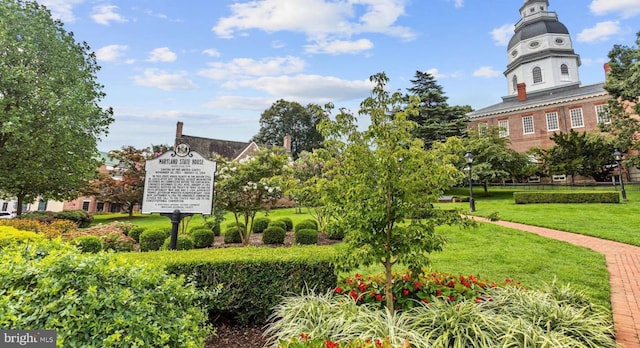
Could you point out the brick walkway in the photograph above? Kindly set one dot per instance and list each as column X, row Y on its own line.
column 623, row 263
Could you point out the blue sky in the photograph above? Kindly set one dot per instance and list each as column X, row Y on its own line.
column 216, row 65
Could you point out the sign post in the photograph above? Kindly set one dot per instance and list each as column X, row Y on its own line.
column 177, row 184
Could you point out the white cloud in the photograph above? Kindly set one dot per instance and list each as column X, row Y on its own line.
column 503, row 34
column 340, row 47
column 601, row 32
column 104, row 14
column 436, row 73
column 624, row 8
column 162, row 54
column 318, row 19
column 160, row 79
column 458, row 3
column 486, row 71
column 240, row 103
column 61, row 9
column 311, row 88
column 110, row 53
column 211, row 52
column 251, row 67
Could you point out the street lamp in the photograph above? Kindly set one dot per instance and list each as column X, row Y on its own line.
column 618, row 157
column 469, row 158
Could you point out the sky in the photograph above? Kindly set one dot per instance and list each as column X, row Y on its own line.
column 217, row 65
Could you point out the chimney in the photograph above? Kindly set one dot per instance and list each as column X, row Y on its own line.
column 287, row 143
column 607, row 69
column 522, row 92
column 179, row 129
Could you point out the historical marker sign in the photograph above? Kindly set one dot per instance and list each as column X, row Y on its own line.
column 179, row 180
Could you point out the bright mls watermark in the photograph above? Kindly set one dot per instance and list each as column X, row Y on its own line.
column 28, row 338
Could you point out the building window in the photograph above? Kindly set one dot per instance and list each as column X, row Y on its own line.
column 514, row 81
column 5, row 206
column 527, row 125
column 504, row 128
column 42, row 205
column 552, row 121
column 564, row 71
column 85, row 205
column 603, row 114
column 537, row 75
column 576, row 118
column 100, row 206
column 482, row 128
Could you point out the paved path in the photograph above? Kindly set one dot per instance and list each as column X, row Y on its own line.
column 623, row 263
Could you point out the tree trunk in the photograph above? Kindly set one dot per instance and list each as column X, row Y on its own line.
column 130, row 210
column 388, row 285
column 20, row 199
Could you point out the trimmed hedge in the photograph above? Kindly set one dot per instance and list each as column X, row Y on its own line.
column 566, row 197
column 306, row 236
column 88, row 244
column 136, row 232
column 80, row 217
column 203, row 237
column 183, row 242
column 306, row 225
column 273, row 235
column 254, row 279
column 278, row 223
column 232, row 235
column 152, row 240
column 260, row 224
column 288, row 223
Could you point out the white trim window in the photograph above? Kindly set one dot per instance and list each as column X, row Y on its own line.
column 503, row 125
column 537, row 75
column 577, row 121
column 552, row 121
column 527, row 125
column 602, row 114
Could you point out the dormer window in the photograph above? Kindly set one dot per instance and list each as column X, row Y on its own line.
column 537, row 75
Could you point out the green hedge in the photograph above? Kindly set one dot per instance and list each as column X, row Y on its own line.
column 566, row 197
column 254, row 279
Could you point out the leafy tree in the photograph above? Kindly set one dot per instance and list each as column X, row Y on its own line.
column 50, row 117
column 585, row 154
column 246, row 187
column 436, row 119
column 623, row 84
column 290, row 118
column 494, row 160
column 383, row 182
column 309, row 174
column 125, row 184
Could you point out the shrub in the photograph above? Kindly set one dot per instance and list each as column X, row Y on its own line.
column 306, row 236
column 240, row 225
column 80, row 217
column 63, row 226
column 121, row 304
column 232, row 235
column 278, row 223
column 111, row 234
column 184, row 242
column 135, row 233
column 42, row 216
column 9, row 235
column 334, row 231
column 202, row 237
column 288, row 223
column 88, row 244
column 273, row 235
column 566, row 197
column 260, row 224
column 118, row 242
column 153, row 239
column 306, row 225
column 125, row 227
column 216, row 229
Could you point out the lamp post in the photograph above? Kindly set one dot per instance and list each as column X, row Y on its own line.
column 469, row 158
column 618, row 157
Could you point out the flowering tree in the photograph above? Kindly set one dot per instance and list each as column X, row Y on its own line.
column 248, row 186
column 382, row 181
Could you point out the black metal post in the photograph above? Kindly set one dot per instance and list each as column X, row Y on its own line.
column 472, row 202
column 175, row 217
column 622, row 190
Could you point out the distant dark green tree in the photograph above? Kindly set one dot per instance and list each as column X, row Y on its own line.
column 290, row 118
column 623, row 84
column 436, row 119
column 584, row 154
column 50, row 113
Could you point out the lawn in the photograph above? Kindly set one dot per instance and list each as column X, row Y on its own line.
column 488, row 251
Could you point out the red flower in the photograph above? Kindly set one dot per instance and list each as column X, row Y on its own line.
column 417, row 285
column 329, row 344
column 478, row 299
column 362, row 287
column 451, row 284
column 379, row 297
column 405, row 292
column 451, row 298
column 304, row 336
column 424, row 300
column 378, row 343
column 353, row 294
column 338, row 290
column 358, row 276
column 405, row 277
column 438, row 292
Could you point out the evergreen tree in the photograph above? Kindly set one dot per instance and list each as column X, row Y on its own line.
column 436, row 119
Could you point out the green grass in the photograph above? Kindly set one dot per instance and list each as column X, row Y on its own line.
column 616, row 222
column 489, row 251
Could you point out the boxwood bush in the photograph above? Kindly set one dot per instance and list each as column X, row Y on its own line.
column 288, row 223
column 278, row 223
column 97, row 300
column 136, row 232
column 254, row 278
column 260, row 224
column 306, row 236
column 306, row 225
column 566, row 197
column 152, row 239
column 88, row 244
column 183, row 242
column 232, row 235
column 203, row 237
column 273, row 235
column 80, row 217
